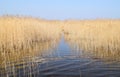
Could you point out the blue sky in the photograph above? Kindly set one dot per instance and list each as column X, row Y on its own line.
column 62, row 9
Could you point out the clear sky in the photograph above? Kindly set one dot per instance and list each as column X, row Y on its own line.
column 62, row 9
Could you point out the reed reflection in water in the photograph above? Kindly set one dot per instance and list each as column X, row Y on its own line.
column 26, row 62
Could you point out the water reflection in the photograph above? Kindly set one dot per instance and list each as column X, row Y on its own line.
column 26, row 62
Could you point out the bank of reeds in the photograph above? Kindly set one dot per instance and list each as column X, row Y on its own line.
column 100, row 37
column 17, row 33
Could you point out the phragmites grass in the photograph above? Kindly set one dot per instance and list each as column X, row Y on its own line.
column 100, row 37
column 20, row 33
column 17, row 33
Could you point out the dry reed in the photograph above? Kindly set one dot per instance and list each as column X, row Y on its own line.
column 18, row 33
column 100, row 37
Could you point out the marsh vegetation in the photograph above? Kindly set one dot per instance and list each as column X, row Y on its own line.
column 31, row 47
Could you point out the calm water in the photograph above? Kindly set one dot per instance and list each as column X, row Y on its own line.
column 60, row 59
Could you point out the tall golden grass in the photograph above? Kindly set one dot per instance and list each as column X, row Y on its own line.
column 101, row 37
column 21, row 32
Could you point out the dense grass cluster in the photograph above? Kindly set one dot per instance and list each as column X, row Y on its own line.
column 26, row 37
column 17, row 33
column 21, row 33
column 100, row 37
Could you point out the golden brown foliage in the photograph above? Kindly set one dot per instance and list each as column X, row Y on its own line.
column 21, row 32
column 101, row 37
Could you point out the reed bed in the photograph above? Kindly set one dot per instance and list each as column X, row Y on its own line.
column 22, row 36
column 99, row 37
column 21, row 32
